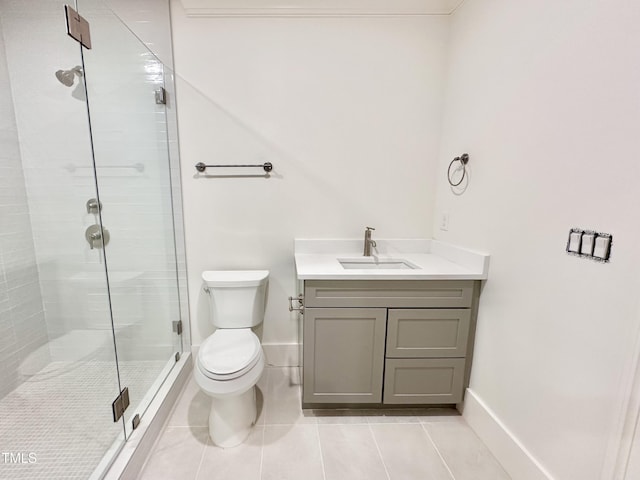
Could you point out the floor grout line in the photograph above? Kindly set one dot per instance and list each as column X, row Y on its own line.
column 299, row 395
column 204, row 451
column 324, row 473
column 265, row 395
column 444, row 462
column 264, row 429
column 375, row 441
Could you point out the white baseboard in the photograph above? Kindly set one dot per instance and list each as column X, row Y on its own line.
column 512, row 455
column 282, row 354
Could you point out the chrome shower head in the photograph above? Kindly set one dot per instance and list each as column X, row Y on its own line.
column 67, row 77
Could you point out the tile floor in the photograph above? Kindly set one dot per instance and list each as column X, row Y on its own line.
column 62, row 415
column 289, row 443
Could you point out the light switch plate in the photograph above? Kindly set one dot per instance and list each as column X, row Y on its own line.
column 589, row 244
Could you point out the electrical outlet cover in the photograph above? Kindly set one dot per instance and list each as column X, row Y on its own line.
column 444, row 222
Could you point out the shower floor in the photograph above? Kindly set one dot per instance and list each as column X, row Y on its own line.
column 62, row 417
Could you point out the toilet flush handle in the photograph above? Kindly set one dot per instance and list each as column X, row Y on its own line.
column 300, row 299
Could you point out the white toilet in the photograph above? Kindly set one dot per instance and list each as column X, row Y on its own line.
column 231, row 361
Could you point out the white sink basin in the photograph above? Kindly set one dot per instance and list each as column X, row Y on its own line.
column 376, row 263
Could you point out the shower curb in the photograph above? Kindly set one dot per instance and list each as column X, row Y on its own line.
column 131, row 459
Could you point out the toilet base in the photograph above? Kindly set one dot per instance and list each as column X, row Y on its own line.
column 232, row 417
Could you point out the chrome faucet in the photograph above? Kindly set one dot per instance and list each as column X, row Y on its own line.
column 368, row 243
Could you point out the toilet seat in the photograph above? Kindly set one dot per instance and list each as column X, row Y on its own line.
column 229, row 353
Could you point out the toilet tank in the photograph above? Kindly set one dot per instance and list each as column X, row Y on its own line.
column 236, row 297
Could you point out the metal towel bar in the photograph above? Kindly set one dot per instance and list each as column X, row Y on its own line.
column 201, row 167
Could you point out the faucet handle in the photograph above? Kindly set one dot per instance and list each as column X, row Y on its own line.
column 368, row 243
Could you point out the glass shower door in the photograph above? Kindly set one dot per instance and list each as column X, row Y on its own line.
column 58, row 375
column 125, row 92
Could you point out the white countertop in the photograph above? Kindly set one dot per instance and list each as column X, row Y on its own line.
column 318, row 260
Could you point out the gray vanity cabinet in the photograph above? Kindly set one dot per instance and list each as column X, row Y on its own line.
column 387, row 342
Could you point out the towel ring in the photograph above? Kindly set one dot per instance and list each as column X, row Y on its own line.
column 463, row 159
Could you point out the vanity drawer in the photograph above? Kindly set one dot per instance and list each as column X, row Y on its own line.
column 427, row 333
column 388, row 293
column 423, row 380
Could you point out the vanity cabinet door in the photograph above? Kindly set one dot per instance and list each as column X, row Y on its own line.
column 343, row 359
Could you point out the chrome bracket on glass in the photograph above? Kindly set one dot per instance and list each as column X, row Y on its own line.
column 77, row 27
column 136, row 421
column 120, row 404
column 161, row 96
column 177, row 327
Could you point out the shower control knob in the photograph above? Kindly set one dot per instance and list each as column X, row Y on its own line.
column 96, row 236
column 94, row 206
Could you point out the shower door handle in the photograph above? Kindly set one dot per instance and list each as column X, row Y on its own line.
column 96, row 236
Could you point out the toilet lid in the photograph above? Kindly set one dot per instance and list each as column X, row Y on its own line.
column 229, row 353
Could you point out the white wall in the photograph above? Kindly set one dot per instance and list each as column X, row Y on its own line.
column 348, row 111
column 544, row 97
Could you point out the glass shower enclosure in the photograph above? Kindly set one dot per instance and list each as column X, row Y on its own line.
column 92, row 277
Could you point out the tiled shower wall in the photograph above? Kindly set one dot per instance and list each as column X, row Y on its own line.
column 23, row 331
column 57, row 162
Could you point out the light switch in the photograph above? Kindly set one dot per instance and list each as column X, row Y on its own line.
column 602, row 247
column 575, row 238
column 587, row 243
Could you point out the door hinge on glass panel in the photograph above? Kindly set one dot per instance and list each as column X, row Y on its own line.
column 177, row 327
column 177, row 357
column 77, row 27
column 136, row 421
column 120, row 404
